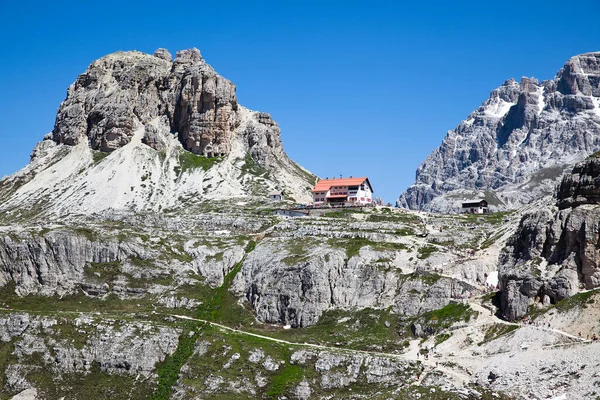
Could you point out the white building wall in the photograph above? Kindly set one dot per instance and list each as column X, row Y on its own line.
column 473, row 210
column 364, row 196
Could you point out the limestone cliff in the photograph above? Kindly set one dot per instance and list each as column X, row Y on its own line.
column 554, row 252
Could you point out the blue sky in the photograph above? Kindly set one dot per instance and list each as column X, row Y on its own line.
column 357, row 87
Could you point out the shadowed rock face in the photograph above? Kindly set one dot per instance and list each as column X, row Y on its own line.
column 555, row 252
column 522, row 128
column 127, row 90
column 582, row 186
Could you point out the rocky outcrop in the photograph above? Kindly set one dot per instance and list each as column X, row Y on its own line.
column 330, row 371
column 554, row 252
column 64, row 347
column 53, row 263
column 122, row 91
column 297, row 289
column 521, row 129
column 581, row 186
column 64, row 261
column 157, row 132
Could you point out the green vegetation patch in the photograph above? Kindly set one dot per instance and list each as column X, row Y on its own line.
column 86, row 232
column 394, row 217
column 494, row 331
column 297, row 250
column 442, row 337
column 425, row 251
column 168, row 370
column 76, row 302
column 353, row 245
column 307, row 176
column 190, row 161
column 6, row 349
column 445, row 317
column 142, row 263
column 107, row 271
column 98, row 156
column 289, row 376
column 428, row 278
column 93, row 385
column 344, row 213
column 492, row 218
column 172, row 248
column 216, row 360
column 576, row 301
column 365, row 329
column 579, row 300
column 220, row 305
column 250, row 166
column 404, row 232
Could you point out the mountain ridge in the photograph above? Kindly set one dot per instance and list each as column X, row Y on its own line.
column 519, row 130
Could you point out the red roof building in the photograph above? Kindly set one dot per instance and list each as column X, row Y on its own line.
column 343, row 190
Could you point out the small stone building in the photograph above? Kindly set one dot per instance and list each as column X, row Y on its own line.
column 475, row 207
column 276, row 195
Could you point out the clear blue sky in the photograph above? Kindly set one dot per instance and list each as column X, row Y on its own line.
column 357, row 87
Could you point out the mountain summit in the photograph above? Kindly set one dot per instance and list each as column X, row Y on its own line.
column 140, row 131
column 516, row 145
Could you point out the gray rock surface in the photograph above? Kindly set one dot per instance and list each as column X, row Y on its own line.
column 582, row 185
column 60, row 262
column 123, row 91
column 521, row 137
column 117, row 348
column 296, row 290
column 128, row 125
column 554, row 252
column 163, row 54
column 132, row 88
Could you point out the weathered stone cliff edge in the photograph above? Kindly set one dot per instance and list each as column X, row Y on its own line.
column 555, row 252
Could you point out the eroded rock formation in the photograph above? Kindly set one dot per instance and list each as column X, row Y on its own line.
column 123, row 91
column 555, row 250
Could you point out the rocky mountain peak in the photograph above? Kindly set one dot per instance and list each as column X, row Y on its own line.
column 126, row 90
column 580, row 75
column 129, row 124
column 517, row 143
column 163, row 54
